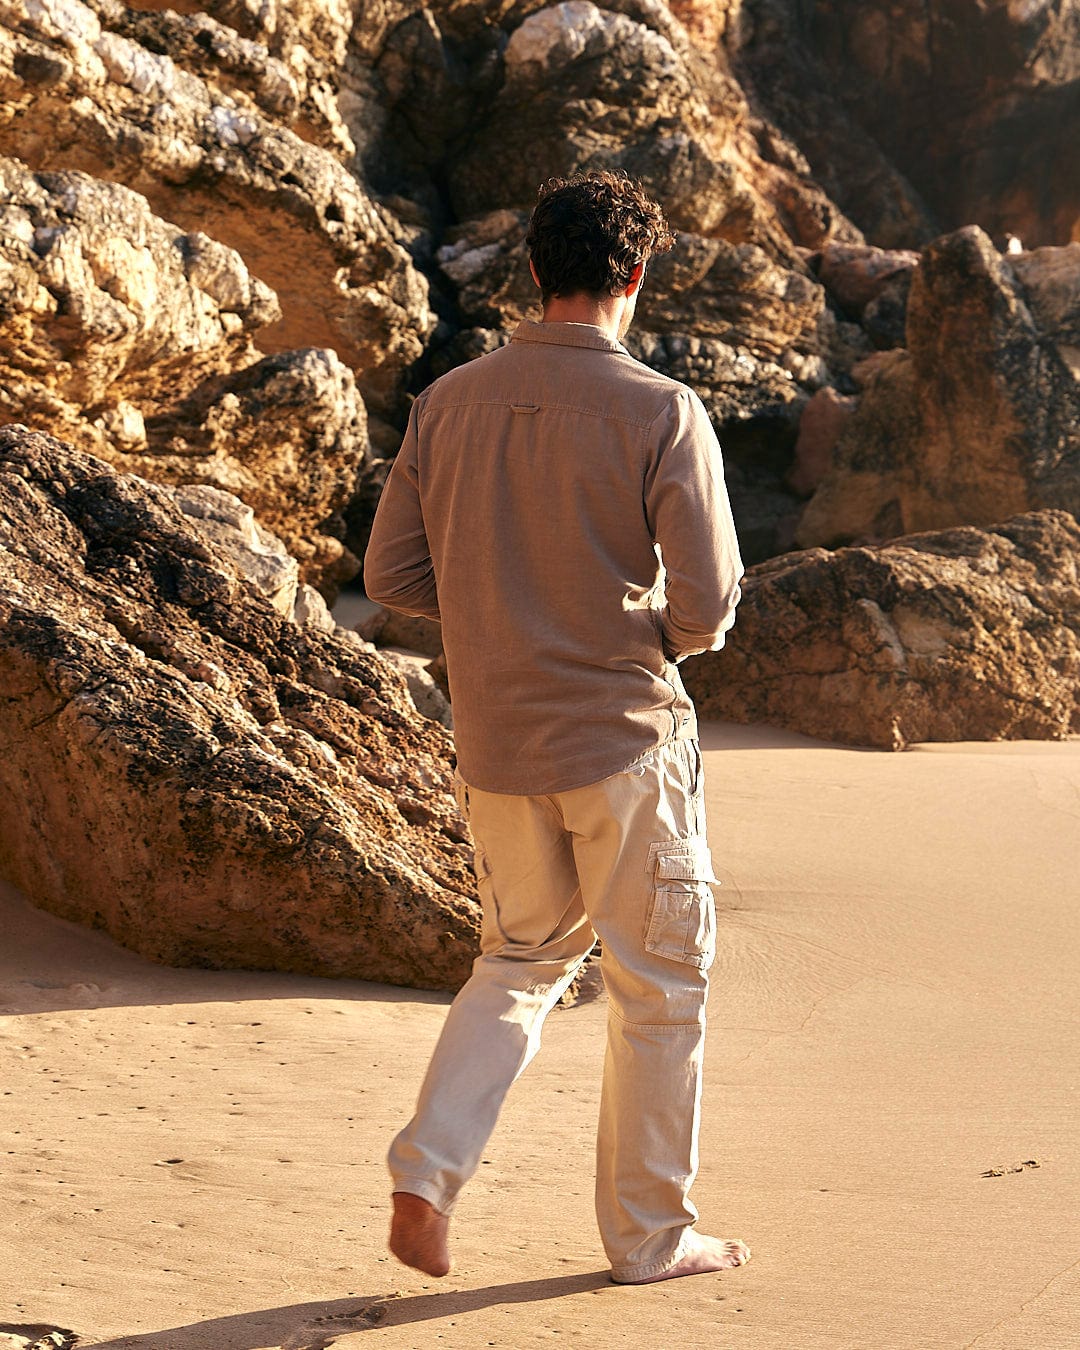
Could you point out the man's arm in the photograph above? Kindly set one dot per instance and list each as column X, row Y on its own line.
column 687, row 508
column 398, row 570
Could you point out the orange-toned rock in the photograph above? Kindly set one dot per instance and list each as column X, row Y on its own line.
column 964, row 634
column 183, row 766
column 820, row 427
column 980, row 417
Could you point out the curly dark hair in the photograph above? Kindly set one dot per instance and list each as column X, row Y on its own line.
column 588, row 232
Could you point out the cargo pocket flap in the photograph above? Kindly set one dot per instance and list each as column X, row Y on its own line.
column 688, row 864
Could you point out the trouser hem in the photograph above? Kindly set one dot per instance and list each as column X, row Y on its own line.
column 426, row 1190
column 635, row 1274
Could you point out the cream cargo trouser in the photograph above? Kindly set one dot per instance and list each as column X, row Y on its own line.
column 625, row 859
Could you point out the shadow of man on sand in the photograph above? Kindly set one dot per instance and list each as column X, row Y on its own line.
column 315, row 1326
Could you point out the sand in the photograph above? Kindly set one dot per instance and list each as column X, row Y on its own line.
column 194, row 1159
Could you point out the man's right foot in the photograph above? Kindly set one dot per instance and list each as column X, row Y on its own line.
column 706, row 1255
column 418, row 1235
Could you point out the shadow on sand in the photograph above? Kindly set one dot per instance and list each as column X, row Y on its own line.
column 315, row 1326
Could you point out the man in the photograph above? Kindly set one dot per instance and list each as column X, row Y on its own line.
column 534, row 496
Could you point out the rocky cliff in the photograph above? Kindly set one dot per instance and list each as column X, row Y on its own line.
column 314, row 178
column 237, row 239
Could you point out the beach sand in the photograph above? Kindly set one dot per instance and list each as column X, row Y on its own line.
column 194, row 1159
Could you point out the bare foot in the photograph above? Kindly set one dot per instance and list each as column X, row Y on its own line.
column 706, row 1255
column 418, row 1235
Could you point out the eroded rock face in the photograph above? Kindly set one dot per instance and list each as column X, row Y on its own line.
column 965, row 634
column 976, row 104
column 980, row 416
column 136, row 341
column 77, row 94
column 264, row 132
column 183, row 766
column 770, row 44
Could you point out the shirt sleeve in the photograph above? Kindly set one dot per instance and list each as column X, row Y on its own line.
column 398, row 571
column 689, row 515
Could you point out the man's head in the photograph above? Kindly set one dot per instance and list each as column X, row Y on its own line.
column 589, row 233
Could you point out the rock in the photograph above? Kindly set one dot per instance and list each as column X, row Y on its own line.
column 820, row 427
column 855, row 274
column 208, row 160
column 1050, row 278
column 974, row 104
column 36, row 1336
column 486, row 262
column 390, row 629
column 260, row 557
column 280, row 58
column 707, row 288
column 734, row 292
column 964, row 634
column 980, row 417
column 135, row 341
column 428, row 697
column 186, row 768
column 755, row 406
column 773, row 52
column 311, row 611
column 585, row 85
column 885, row 317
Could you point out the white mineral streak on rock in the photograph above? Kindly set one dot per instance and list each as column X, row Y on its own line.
column 564, row 33
column 125, row 425
column 463, row 264
column 310, row 610
column 134, row 66
column 68, row 20
column 232, row 127
column 260, row 555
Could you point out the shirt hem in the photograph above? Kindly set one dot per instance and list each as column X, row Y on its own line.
column 688, row 732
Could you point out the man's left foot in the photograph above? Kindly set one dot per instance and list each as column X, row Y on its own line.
column 418, row 1235
column 708, row 1254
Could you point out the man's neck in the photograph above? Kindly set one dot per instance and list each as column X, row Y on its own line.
column 603, row 312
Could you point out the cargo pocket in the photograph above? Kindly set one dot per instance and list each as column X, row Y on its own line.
column 681, row 922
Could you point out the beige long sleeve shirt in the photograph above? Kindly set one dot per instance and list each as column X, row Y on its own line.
column 532, row 500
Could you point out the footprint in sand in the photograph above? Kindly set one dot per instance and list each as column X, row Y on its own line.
column 322, row 1332
column 1016, row 1167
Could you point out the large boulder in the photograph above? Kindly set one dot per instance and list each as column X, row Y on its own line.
column 136, row 341
column 976, row 104
column 771, row 47
column 79, row 93
column 492, row 100
column 980, row 416
column 187, row 768
column 964, row 634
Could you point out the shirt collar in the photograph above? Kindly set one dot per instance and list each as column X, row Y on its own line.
column 567, row 335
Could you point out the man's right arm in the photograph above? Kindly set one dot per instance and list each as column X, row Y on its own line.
column 688, row 512
column 398, row 571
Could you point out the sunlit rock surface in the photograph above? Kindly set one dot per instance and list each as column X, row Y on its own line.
column 187, row 768
column 963, row 634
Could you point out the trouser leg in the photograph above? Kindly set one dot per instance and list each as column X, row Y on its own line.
column 644, row 867
column 534, row 938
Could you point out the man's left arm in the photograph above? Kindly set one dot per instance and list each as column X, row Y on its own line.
column 686, row 505
column 398, row 571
